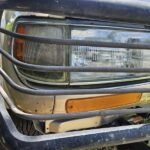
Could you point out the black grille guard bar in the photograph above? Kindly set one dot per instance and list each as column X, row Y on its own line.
column 69, row 91
column 69, row 115
column 69, row 68
column 73, row 42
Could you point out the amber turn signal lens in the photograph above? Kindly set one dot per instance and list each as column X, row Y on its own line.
column 101, row 102
column 19, row 43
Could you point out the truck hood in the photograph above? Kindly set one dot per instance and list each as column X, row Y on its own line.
column 121, row 10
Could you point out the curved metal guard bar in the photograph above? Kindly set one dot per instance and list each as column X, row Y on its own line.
column 44, row 92
column 68, row 115
column 69, row 68
column 75, row 42
column 66, row 92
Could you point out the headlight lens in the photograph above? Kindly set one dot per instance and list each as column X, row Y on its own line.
column 41, row 54
column 62, row 55
column 108, row 57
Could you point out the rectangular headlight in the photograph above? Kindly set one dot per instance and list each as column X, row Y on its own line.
column 41, row 54
column 108, row 57
column 63, row 55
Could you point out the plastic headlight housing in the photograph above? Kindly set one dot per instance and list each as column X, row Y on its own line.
column 63, row 55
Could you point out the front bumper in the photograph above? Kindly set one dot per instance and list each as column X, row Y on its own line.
column 94, row 138
column 86, row 139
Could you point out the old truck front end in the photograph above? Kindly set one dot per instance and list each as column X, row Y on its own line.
column 73, row 69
